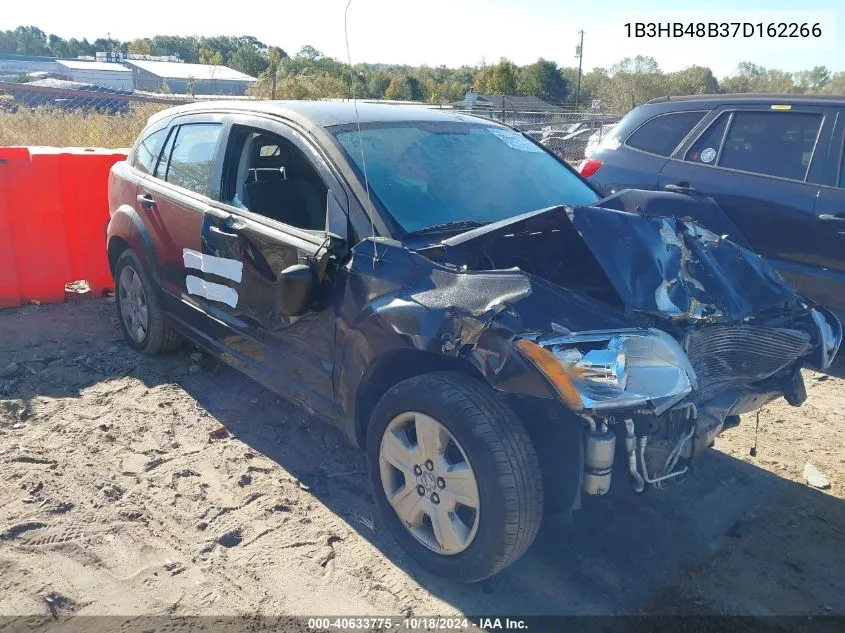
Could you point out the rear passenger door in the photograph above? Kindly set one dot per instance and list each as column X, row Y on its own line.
column 761, row 165
column 279, row 205
column 173, row 199
column 637, row 164
column 827, row 254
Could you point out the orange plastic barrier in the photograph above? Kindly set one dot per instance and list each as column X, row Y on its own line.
column 53, row 214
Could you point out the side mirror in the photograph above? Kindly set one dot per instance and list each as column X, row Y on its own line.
column 297, row 284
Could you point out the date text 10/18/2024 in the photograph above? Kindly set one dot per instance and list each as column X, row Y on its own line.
column 416, row 623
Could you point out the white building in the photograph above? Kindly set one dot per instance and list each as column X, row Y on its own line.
column 205, row 79
column 102, row 74
column 16, row 65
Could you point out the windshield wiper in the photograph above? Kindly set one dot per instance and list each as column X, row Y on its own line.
column 447, row 226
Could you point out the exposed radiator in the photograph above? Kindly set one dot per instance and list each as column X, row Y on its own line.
column 725, row 356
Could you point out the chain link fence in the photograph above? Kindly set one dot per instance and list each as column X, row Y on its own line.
column 66, row 114
column 573, row 136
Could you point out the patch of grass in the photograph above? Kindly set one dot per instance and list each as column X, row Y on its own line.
column 74, row 128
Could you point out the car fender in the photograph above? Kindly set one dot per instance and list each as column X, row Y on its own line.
column 410, row 325
column 127, row 225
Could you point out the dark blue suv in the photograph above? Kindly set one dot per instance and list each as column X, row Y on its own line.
column 773, row 163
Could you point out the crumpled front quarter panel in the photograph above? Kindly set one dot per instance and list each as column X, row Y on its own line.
column 405, row 301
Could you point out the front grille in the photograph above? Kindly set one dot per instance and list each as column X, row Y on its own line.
column 725, row 356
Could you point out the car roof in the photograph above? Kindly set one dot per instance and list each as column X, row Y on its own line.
column 752, row 97
column 328, row 113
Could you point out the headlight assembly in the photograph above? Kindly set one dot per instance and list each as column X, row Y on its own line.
column 599, row 371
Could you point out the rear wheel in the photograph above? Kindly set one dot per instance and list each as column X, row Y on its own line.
column 455, row 476
column 139, row 309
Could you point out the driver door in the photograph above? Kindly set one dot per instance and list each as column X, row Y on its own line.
column 273, row 213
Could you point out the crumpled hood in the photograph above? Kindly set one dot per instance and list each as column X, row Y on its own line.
column 655, row 256
column 677, row 268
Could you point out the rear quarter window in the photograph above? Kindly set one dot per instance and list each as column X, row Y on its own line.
column 663, row 133
column 706, row 148
column 148, row 150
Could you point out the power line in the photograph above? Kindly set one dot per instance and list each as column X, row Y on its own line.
column 579, row 53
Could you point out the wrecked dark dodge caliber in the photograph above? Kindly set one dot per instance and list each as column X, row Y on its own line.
column 459, row 301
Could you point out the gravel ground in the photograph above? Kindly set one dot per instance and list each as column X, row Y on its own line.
column 136, row 485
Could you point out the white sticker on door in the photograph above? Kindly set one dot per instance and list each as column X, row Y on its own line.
column 210, row 290
column 707, row 155
column 220, row 266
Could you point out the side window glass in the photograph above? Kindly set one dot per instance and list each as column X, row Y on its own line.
column 662, row 134
column 771, row 143
column 192, row 157
column 705, row 150
column 146, row 154
column 268, row 175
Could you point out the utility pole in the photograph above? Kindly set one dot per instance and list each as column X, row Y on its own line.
column 579, row 53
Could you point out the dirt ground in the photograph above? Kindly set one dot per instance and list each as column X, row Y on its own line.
column 133, row 485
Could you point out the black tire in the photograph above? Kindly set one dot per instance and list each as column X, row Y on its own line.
column 160, row 337
column 510, row 484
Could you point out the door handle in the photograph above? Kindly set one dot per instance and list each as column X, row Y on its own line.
column 681, row 187
column 832, row 217
column 230, row 234
column 146, row 200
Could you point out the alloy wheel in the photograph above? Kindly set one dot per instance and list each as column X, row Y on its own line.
column 133, row 304
column 430, row 483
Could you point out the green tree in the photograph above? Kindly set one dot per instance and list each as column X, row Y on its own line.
column 755, row 78
column 835, row 85
column 398, row 89
column 8, row 42
column 108, row 44
column 465, row 75
column 140, row 46
column 454, row 90
column 416, row 88
column 186, row 48
column 210, row 56
column 377, row 83
column 543, row 79
column 310, row 53
column 813, row 80
column 735, row 84
column 631, row 82
column 500, row 79
column 58, row 46
column 249, row 60
column 29, row 40
column 693, row 80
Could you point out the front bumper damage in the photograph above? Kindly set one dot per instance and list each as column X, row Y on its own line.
column 744, row 332
column 605, row 286
column 722, row 411
column 739, row 369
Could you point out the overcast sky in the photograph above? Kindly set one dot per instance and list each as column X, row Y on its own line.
column 456, row 32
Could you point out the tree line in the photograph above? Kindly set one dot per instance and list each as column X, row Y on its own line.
column 309, row 74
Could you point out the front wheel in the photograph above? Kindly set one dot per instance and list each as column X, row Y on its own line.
column 455, row 476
